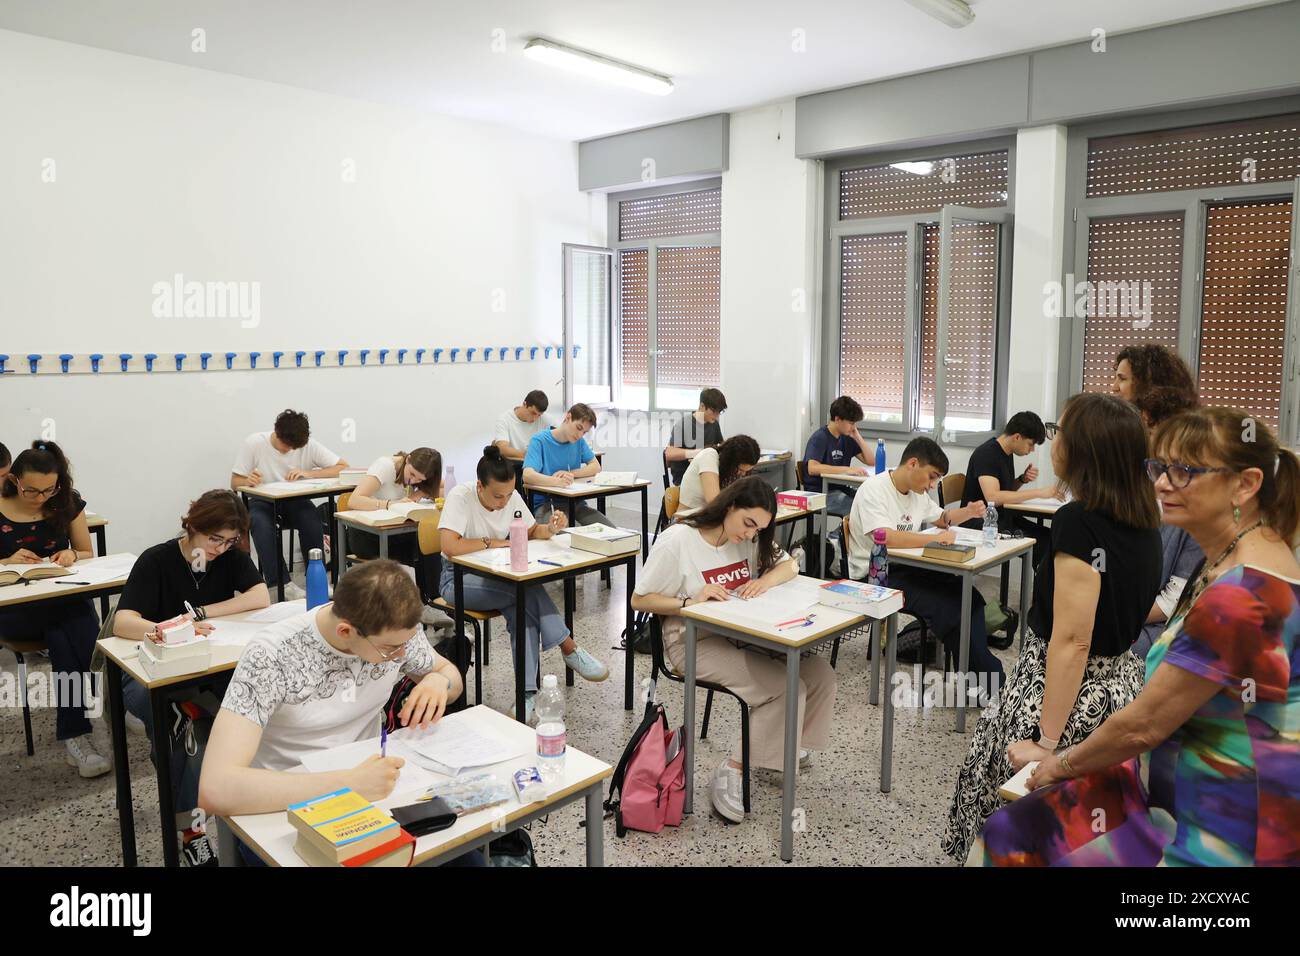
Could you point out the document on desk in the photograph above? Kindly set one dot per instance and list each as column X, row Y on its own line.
column 1043, row 502
column 99, row 570
column 454, row 744
column 780, row 604
column 965, row 536
column 583, row 486
column 288, row 487
column 233, row 633
column 277, row 612
column 412, row 776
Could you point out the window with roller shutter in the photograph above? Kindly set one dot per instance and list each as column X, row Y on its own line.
column 884, row 286
column 669, row 258
column 1211, row 229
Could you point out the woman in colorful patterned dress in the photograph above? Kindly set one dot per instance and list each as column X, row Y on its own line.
column 1203, row 768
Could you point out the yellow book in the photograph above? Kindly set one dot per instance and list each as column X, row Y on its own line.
column 342, row 824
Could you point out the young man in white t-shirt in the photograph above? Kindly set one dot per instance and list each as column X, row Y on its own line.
column 318, row 680
column 477, row 517
column 516, row 427
column 287, row 453
column 898, row 500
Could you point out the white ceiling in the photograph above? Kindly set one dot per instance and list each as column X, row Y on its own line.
column 437, row 55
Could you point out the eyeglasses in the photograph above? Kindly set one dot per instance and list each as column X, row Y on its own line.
column 395, row 654
column 221, row 544
column 35, row 492
column 1052, row 428
column 1179, row 475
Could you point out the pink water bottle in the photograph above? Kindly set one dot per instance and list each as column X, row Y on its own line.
column 518, row 544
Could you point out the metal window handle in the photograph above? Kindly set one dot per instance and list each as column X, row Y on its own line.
column 949, row 360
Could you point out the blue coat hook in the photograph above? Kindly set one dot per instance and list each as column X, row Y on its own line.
column 469, row 354
column 532, row 354
column 64, row 359
column 180, row 361
column 502, row 356
column 34, row 360
column 275, row 358
column 126, row 359
column 230, row 360
column 487, row 355
column 297, row 359
column 343, row 355
column 437, row 354
column 383, row 356
column 319, row 356
column 519, row 351
column 548, row 351
column 401, row 355
column 252, row 359
column 3, row 359
column 364, row 353
column 419, row 356
column 148, row 361
column 203, row 359
column 574, row 349
column 453, row 354
column 95, row 359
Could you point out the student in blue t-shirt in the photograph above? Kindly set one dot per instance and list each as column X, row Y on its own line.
column 557, row 457
column 831, row 451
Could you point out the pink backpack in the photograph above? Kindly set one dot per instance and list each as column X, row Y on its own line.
column 648, row 790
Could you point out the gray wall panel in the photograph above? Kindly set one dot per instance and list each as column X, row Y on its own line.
column 691, row 148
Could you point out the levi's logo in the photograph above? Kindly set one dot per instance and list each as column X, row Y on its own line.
column 730, row 577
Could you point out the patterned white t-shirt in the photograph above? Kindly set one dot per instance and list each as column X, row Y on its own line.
column 307, row 696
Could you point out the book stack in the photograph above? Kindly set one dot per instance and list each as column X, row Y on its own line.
column 860, row 597
column 181, row 650
column 602, row 539
column 343, row 828
column 952, row 553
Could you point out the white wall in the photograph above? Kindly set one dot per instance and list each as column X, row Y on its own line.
column 162, row 169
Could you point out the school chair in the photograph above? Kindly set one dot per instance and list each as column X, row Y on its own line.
column 19, row 648
column 951, row 489
column 431, row 548
column 668, row 480
column 660, row 668
column 799, row 475
column 668, row 508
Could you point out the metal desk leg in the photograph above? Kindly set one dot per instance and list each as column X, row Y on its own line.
column 595, row 827
column 121, row 767
column 810, row 532
column 629, row 653
column 963, row 654
column 281, row 569
column 874, row 694
column 330, row 512
column 645, row 524
column 887, row 722
column 790, row 766
column 101, row 537
column 383, row 544
column 339, row 554
column 688, row 715
column 458, row 628
column 1005, row 585
column 1026, row 589
column 821, row 545
column 570, row 597
column 521, row 659
column 162, row 748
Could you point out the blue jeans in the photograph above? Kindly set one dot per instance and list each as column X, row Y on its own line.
column 185, row 773
column 544, row 622
column 69, row 630
column 936, row 597
column 583, row 513
column 297, row 513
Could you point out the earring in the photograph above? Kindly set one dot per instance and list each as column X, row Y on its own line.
column 1236, row 513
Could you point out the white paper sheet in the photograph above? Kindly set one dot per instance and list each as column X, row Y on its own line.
column 614, row 478
column 783, row 603
column 453, row 744
column 233, row 633
column 99, row 570
column 583, row 486
column 306, row 484
column 412, row 776
column 278, row 612
column 966, row 536
column 1043, row 502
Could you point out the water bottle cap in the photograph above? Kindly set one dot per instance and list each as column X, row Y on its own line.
column 878, row 535
column 315, row 554
column 548, row 682
column 519, row 514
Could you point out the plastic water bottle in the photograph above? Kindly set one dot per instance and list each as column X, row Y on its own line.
column 880, row 455
column 878, row 573
column 449, row 482
column 990, row 525
column 549, row 708
column 518, row 544
column 318, row 587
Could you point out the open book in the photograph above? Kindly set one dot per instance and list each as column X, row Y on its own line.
column 614, row 478
column 13, row 573
column 395, row 513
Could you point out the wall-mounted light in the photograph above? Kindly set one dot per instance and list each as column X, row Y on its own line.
column 598, row 67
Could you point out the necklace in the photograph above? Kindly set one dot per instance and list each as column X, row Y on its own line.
column 1203, row 581
column 190, row 568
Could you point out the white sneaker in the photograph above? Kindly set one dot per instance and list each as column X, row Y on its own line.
column 134, row 725
column 805, row 758
column 727, row 788
column 83, row 755
column 293, row 592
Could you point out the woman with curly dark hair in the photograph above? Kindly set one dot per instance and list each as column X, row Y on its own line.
column 1140, row 368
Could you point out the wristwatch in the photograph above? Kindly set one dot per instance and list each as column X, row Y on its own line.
column 487, row 542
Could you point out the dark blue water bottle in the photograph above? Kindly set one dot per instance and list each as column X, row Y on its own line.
column 318, row 589
column 880, row 455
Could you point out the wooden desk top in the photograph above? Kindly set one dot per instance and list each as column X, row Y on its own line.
column 46, row 588
column 830, row 620
column 984, row 557
column 95, row 521
column 585, row 491
column 349, row 518
column 271, row 836
column 557, row 548
column 311, row 488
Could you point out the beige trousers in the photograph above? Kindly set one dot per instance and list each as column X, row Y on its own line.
column 759, row 680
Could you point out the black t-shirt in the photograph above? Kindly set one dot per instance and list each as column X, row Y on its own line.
column 162, row 581
column 1129, row 560
column 989, row 460
column 690, row 432
column 39, row 537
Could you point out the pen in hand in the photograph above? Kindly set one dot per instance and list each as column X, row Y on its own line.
column 383, row 741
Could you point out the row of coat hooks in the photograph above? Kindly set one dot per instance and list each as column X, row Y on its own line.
column 94, row 363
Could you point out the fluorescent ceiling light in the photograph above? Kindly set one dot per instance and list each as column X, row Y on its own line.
column 919, row 169
column 598, row 67
column 955, row 13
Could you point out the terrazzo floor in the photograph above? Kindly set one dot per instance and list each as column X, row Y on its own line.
column 50, row 816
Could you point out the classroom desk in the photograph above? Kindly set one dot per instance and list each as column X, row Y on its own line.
column 329, row 489
column 600, row 494
column 271, row 836
column 556, row 548
column 985, row 558
column 50, row 591
column 726, row 618
column 345, row 520
column 791, row 515
column 119, row 658
column 97, row 524
column 768, row 462
column 850, row 483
